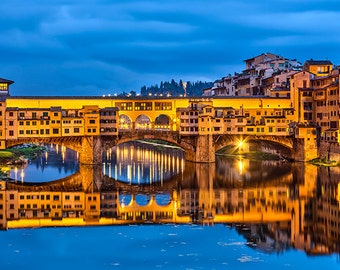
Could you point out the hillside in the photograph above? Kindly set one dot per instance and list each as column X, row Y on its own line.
column 176, row 88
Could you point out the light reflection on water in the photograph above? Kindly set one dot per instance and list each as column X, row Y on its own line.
column 228, row 188
column 56, row 163
column 140, row 163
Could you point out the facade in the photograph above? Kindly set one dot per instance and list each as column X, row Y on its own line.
column 270, row 97
column 264, row 75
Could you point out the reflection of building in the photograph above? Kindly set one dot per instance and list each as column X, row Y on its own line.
column 297, row 208
column 3, row 214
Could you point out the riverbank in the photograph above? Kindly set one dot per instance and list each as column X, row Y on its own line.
column 17, row 156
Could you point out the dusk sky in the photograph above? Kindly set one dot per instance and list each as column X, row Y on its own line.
column 96, row 47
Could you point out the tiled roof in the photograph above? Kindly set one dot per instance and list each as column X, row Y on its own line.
column 5, row 81
column 319, row 62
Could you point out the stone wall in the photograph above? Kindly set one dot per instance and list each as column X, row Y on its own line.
column 329, row 150
column 205, row 152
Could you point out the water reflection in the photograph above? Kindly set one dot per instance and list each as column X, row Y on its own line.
column 274, row 205
column 143, row 163
column 55, row 163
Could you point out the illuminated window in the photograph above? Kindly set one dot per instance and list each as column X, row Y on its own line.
column 3, row 86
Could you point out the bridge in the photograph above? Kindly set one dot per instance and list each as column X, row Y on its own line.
column 90, row 125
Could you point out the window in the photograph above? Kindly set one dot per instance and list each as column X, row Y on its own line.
column 92, row 121
column 66, row 131
column 11, row 133
column 76, row 130
column 55, row 197
column 55, row 131
column 77, row 198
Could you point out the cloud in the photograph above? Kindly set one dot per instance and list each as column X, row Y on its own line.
column 86, row 47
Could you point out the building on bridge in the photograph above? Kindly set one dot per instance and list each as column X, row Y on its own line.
column 309, row 102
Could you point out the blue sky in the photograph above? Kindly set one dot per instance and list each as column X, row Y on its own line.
column 96, row 47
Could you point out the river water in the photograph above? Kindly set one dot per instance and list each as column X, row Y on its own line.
column 267, row 214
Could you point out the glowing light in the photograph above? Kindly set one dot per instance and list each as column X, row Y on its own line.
column 22, row 175
column 240, row 166
column 46, row 156
column 16, row 173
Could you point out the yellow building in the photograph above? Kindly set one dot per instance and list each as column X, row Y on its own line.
column 318, row 67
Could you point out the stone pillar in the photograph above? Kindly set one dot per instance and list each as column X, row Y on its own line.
column 304, row 149
column 91, row 177
column 298, row 151
column 205, row 150
column 91, row 150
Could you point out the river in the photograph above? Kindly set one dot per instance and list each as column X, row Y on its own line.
column 235, row 213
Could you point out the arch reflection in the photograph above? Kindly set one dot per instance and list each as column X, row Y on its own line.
column 274, row 206
column 140, row 162
column 55, row 163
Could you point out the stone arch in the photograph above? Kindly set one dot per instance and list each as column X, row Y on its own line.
column 265, row 142
column 88, row 147
column 124, row 122
column 162, row 122
column 73, row 143
column 143, row 122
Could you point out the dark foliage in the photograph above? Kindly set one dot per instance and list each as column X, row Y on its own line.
column 175, row 89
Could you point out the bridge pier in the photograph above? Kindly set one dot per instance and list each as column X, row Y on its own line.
column 204, row 150
column 91, row 150
column 304, row 150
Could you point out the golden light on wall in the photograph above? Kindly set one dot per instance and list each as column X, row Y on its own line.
column 338, row 196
